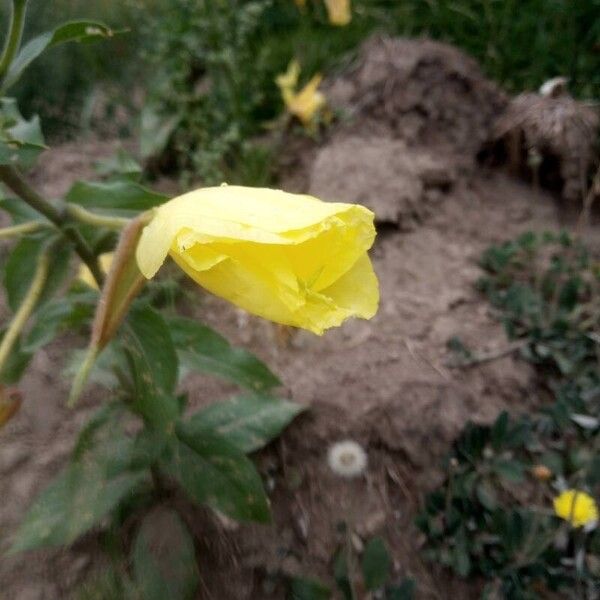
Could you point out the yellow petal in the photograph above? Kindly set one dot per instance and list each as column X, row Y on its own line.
column 339, row 11
column 308, row 102
column 288, row 81
column 576, row 507
column 286, row 257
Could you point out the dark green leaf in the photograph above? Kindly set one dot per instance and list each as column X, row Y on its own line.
column 375, row 564
column 403, row 591
column 121, row 196
column 202, row 348
column 340, row 574
column 19, row 211
column 487, row 494
column 76, row 31
column 510, row 469
column 154, row 362
column 247, row 422
column 21, row 141
column 92, row 485
column 308, row 589
column 214, row 472
column 164, row 560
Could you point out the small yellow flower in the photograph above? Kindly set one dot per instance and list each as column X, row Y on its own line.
column 85, row 275
column 289, row 258
column 339, row 11
column 576, row 507
column 308, row 102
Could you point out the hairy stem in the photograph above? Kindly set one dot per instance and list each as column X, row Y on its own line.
column 90, row 218
column 26, row 308
column 15, row 181
column 22, row 228
column 15, row 31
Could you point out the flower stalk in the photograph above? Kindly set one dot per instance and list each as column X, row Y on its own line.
column 15, row 32
column 21, row 229
column 17, row 183
column 27, row 307
column 90, row 218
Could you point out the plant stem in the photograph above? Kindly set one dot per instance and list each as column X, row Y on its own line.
column 15, row 31
column 85, row 216
column 20, row 229
column 15, row 181
column 26, row 307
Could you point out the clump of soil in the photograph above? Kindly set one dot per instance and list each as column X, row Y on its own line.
column 553, row 138
column 419, row 112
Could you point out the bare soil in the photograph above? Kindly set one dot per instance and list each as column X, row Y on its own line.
column 417, row 114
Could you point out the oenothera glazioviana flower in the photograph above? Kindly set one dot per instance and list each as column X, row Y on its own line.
column 305, row 104
column 576, row 507
column 289, row 258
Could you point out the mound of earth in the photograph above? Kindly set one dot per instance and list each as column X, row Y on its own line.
column 419, row 112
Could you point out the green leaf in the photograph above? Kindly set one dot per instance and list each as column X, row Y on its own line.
column 21, row 264
column 148, row 344
column 214, row 472
column 69, row 312
column 92, row 485
column 340, row 574
column 164, row 560
column 510, row 470
column 74, row 31
column 404, row 591
column 375, row 564
column 16, row 363
column 308, row 589
column 203, row 349
column 156, row 130
column 487, row 495
column 247, row 422
column 121, row 196
column 21, row 141
column 121, row 165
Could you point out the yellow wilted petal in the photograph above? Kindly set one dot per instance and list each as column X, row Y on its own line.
column 289, row 258
column 307, row 103
column 576, row 507
column 339, row 11
column 288, row 81
column 85, row 275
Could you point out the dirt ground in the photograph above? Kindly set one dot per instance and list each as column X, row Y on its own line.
column 416, row 117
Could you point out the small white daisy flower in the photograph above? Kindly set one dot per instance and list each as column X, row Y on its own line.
column 347, row 459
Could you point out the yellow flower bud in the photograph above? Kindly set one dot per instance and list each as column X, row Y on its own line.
column 289, row 258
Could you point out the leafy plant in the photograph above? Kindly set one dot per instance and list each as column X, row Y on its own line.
column 142, row 446
column 492, row 515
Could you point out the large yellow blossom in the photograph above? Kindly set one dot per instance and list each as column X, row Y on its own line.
column 289, row 258
column 339, row 11
column 576, row 507
column 308, row 102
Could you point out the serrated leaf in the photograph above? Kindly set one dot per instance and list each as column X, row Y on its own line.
column 164, row 560
column 120, row 197
column 91, row 485
column 302, row 588
column 247, row 422
column 214, row 472
column 375, row 564
column 203, row 349
column 73, row 31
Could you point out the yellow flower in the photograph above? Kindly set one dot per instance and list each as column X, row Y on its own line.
column 85, row 275
column 576, row 507
column 289, row 258
column 305, row 104
column 339, row 11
